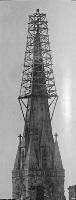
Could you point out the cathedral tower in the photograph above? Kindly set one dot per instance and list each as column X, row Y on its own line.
column 36, row 172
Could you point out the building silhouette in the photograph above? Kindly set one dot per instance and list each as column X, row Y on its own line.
column 38, row 173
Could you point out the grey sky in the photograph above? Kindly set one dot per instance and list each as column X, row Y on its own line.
column 61, row 16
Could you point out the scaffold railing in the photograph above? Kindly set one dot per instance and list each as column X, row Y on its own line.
column 38, row 78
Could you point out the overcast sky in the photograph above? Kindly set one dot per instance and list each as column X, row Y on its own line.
column 61, row 16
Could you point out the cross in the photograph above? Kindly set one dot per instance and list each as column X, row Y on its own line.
column 20, row 136
column 56, row 135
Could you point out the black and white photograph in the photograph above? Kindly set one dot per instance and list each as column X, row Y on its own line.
column 38, row 99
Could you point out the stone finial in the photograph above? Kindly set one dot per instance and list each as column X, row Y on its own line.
column 56, row 135
column 37, row 11
column 20, row 136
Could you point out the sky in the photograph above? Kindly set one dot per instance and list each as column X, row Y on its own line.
column 61, row 16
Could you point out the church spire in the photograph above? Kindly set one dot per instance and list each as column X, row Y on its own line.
column 36, row 176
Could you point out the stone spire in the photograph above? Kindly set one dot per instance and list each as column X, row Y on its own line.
column 57, row 158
